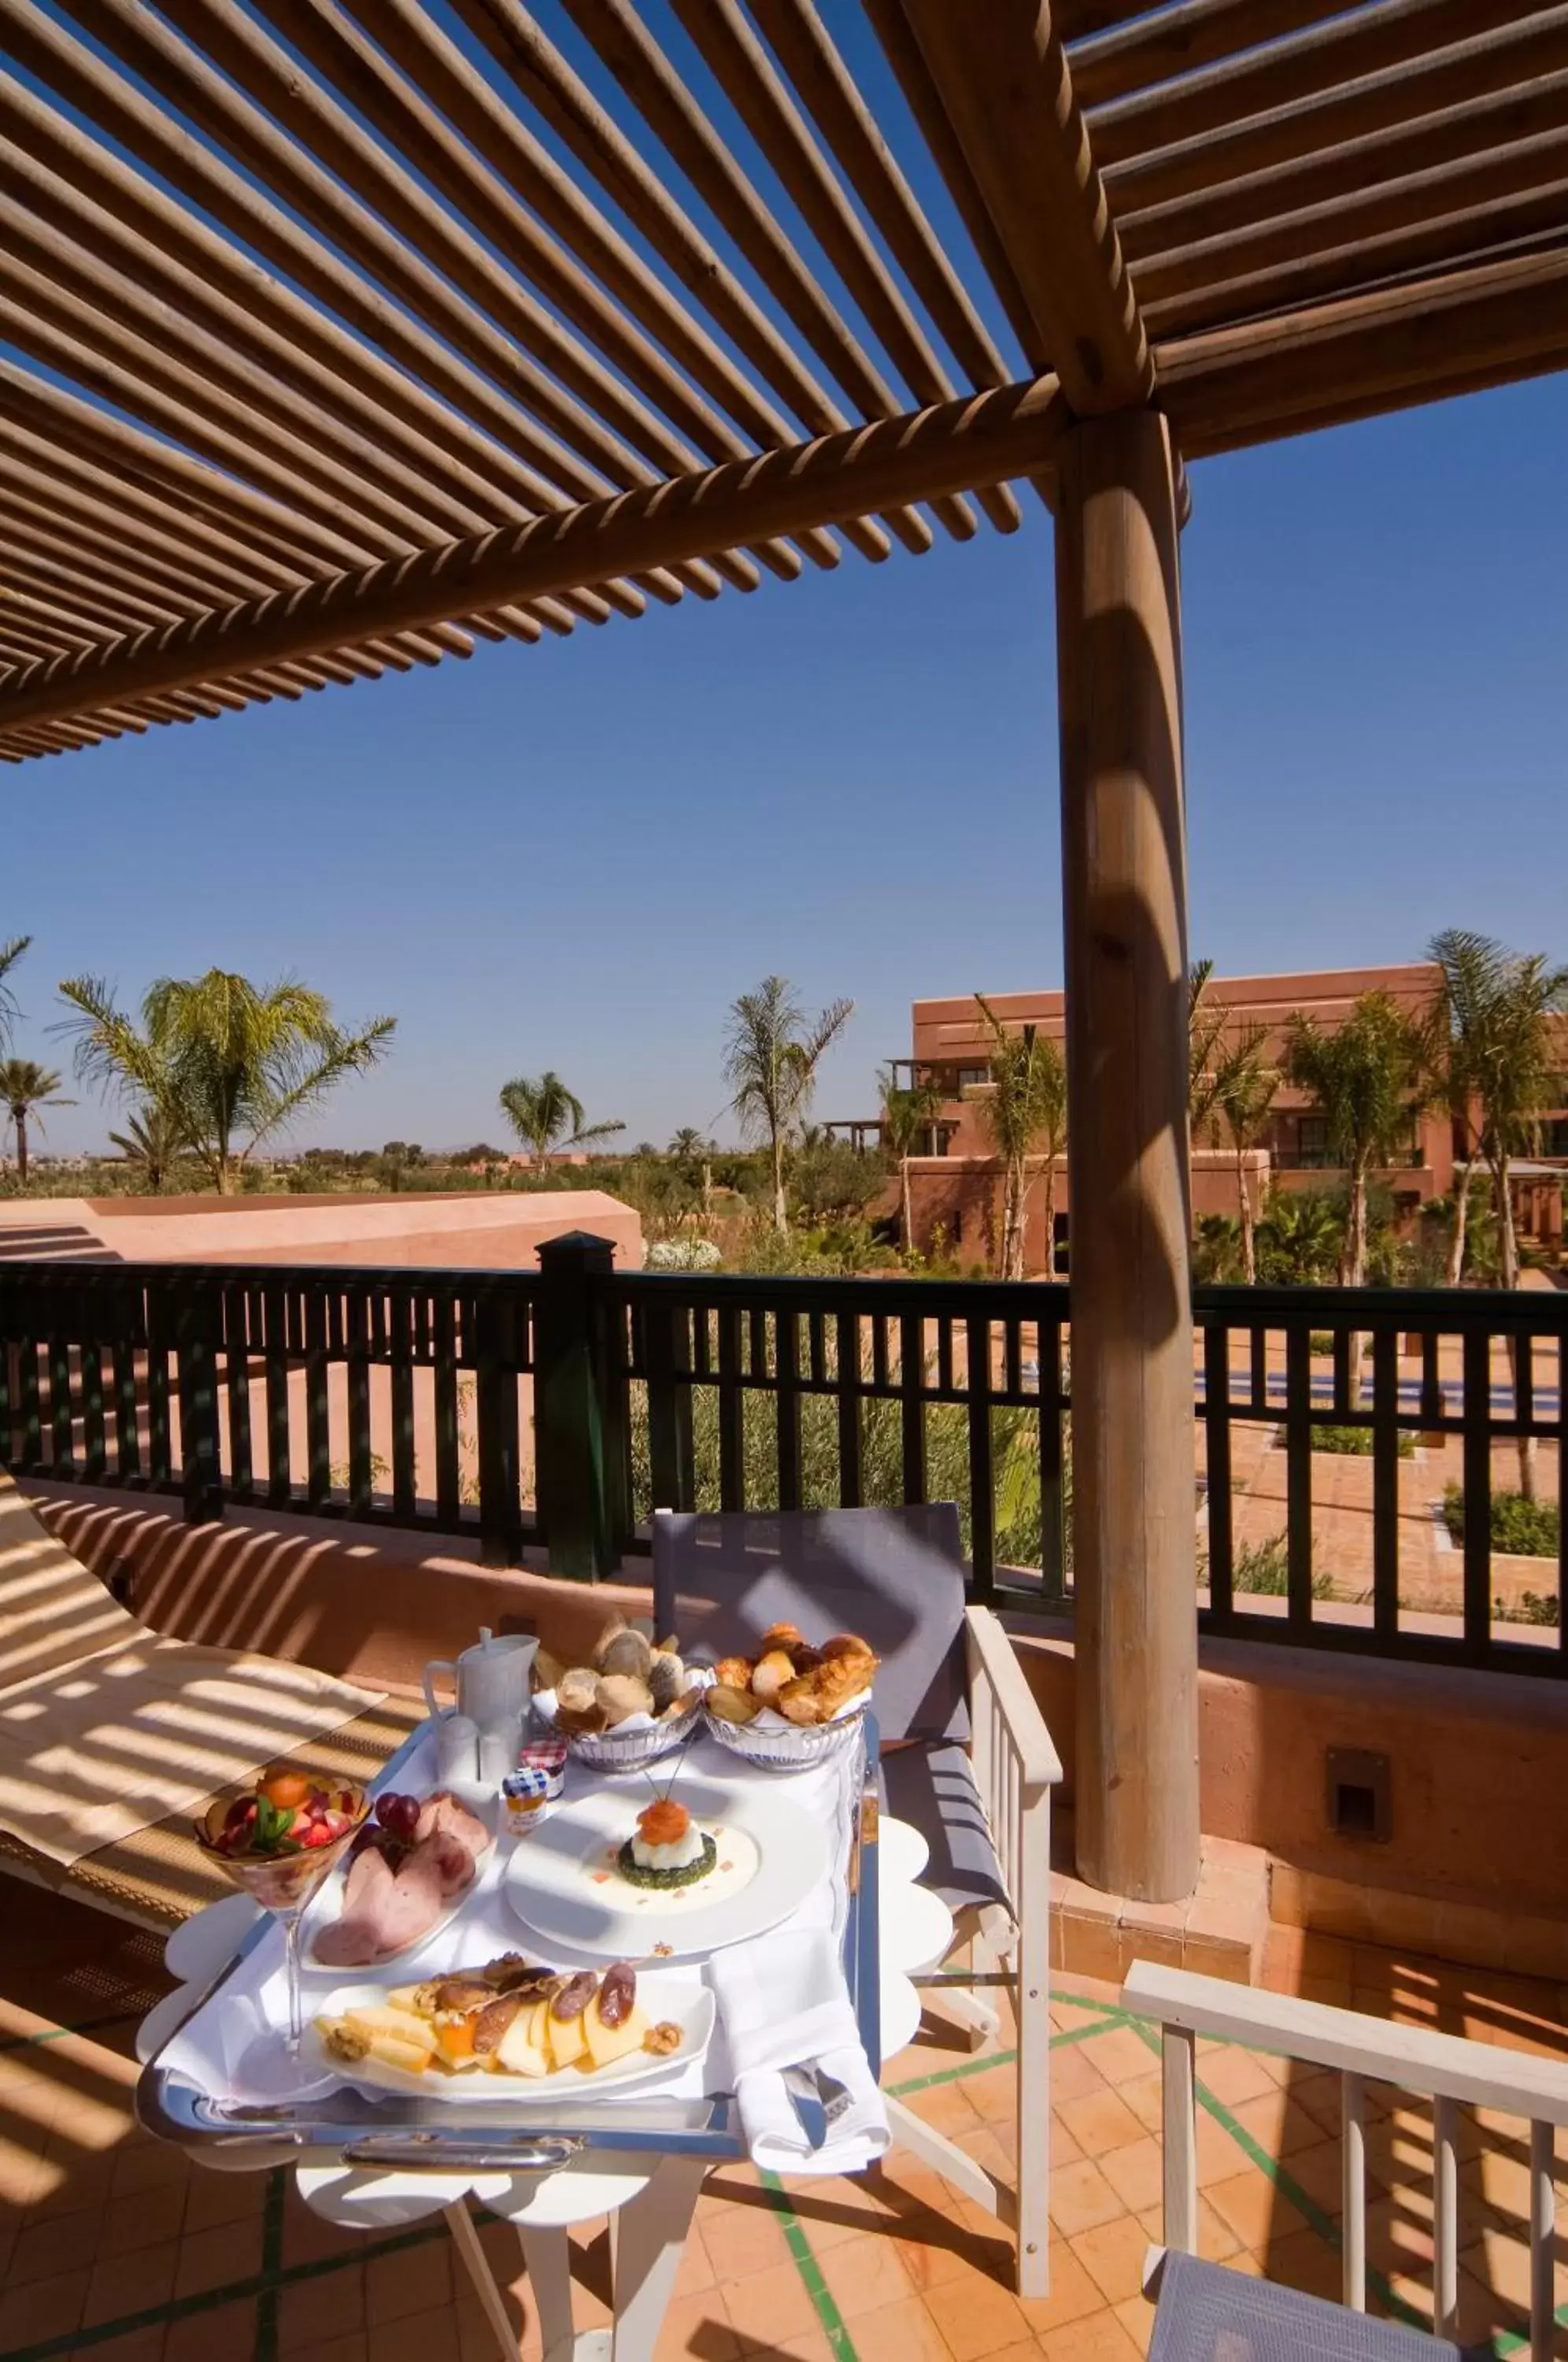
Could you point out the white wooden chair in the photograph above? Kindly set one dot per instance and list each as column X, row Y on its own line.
column 965, row 1757
column 1449, row 2070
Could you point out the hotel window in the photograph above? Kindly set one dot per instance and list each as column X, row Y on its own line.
column 970, row 1077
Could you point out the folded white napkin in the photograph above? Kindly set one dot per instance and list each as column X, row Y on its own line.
column 782, row 2004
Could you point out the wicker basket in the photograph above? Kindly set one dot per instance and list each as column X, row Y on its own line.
column 632, row 1750
column 797, row 1748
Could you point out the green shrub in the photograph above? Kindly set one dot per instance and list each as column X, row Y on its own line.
column 1522, row 1529
column 1535, row 1607
column 1355, row 1443
column 1014, row 1446
column 1320, row 1342
column 1265, row 1567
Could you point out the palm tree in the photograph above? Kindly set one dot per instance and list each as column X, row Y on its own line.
column 227, row 1055
column 548, row 1118
column 909, row 1111
column 9, row 955
column 1023, row 1105
column 1369, row 1079
column 771, row 1055
column 1205, row 1030
column 1244, row 1090
column 24, row 1088
column 151, row 1144
column 1466, row 986
column 1495, row 1008
column 688, row 1144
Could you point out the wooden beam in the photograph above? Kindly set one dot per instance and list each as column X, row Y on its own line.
column 1507, row 58
column 1383, row 39
column 1456, row 333
column 913, row 76
column 1520, row 221
column 1464, row 134
column 719, row 31
column 627, row 48
column 1002, row 75
column 987, row 438
column 1124, row 890
column 1124, row 56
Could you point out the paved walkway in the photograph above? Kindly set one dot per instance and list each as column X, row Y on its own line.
column 112, row 2246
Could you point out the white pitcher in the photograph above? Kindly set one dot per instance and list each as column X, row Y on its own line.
column 494, row 1681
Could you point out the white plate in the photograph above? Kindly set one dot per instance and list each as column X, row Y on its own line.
column 326, row 1908
column 901, row 1851
column 916, row 1931
column 209, row 1939
column 679, row 1999
column 563, row 1886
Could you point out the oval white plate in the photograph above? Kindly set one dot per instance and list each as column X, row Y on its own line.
column 916, row 1929
column 209, row 1939
column 562, row 1884
column 680, row 2000
column 326, row 1908
column 901, row 1851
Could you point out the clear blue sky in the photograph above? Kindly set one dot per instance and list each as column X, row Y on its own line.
column 576, row 854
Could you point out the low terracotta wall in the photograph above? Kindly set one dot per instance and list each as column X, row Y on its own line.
column 358, row 1601
column 1478, row 1769
column 1479, row 1762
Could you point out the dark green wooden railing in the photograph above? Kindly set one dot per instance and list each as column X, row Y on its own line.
column 555, row 1409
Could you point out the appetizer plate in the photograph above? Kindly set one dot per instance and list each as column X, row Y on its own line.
column 326, row 1908
column 677, row 2000
column 563, row 1884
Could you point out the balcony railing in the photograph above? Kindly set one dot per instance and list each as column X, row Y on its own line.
column 558, row 1408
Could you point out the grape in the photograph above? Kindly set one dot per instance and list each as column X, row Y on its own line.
column 398, row 1813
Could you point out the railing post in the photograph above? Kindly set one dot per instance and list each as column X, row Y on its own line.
column 495, row 1413
column 194, row 1343
column 579, row 1475
column 667, row 1357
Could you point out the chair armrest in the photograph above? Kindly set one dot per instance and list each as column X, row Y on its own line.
column 993, row 1664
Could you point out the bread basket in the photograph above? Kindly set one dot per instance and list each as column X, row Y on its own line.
column 629, row 1746
column 775, row 1745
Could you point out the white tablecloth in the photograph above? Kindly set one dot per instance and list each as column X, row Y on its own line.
column 211, row 2048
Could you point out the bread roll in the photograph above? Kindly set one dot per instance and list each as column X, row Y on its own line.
column 628, row 1652
column 619, row 1695
column 773, row 1669
column 733, row 1705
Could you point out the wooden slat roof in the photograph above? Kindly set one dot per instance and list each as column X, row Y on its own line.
column 337, row 334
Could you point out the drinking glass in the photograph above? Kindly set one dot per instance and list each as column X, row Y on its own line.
column 284, row 1883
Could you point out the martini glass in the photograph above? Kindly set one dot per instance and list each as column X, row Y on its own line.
column 284, row 1881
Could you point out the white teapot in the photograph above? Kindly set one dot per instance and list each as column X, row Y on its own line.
column 494, row 1681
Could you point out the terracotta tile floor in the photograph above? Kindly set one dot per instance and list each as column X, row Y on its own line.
column 112, row 2246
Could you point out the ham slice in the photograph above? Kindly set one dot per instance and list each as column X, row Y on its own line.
column 444, row 1814
column 383, row 1914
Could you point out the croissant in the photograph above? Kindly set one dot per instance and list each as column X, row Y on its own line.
column 775, row 1669
column 734, row 1672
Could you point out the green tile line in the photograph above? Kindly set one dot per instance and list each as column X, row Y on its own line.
column 79, row 2341
column 273, row 2203
column 978, row 2064
column 61, row 2032
column 806, row 2264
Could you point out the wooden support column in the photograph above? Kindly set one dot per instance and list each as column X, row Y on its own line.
column 1124, row 885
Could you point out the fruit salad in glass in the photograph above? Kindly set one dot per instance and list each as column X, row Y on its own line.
column 277, row 1842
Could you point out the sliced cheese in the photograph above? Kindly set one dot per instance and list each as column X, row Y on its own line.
column 387, row 2050
column 568, row 2041
column 606, row 2043
column 519, row 2053
column 399, row 2025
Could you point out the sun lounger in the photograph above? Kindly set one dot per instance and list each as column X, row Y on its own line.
column 81, row 1678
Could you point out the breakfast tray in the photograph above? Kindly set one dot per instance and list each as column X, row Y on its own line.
column 407, row 2133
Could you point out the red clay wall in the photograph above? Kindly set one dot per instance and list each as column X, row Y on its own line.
column 1479, row 1760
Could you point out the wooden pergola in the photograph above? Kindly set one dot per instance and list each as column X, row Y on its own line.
column 352, row 331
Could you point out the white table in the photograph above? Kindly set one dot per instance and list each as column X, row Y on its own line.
column 649, row 2190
